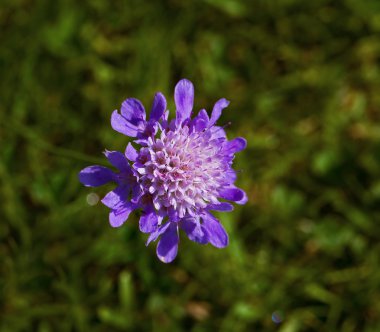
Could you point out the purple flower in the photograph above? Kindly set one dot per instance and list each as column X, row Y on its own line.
column 181, row 172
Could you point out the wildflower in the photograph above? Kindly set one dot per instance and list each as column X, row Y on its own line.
column 181, row 172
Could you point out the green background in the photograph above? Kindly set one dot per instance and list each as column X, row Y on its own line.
column 303, row 79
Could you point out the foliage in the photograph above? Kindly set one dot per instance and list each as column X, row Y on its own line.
column 303, row 79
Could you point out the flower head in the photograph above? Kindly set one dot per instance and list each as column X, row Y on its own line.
column 181, row 171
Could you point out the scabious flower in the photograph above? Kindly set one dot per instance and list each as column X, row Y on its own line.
column 181, row 171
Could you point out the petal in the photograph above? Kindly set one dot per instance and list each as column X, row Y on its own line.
column 133, row 110
column 232, row 194
column 172, row 214
column 200, row 125
column 195, row 232
column 158, row 107
column 235, row 145
column 148, row 221
column 217, row 132
column 120, row 124
column 116, row 198
column 167, row 247
column 142, row 141
column 217, row 235
column 149, row 130
column 137, row 193
column 231, row 175
column 118, row 217
column 203, row 115
column 94, row 176
column 131, row 153
column 184, row 99
column 225, row 207
column 201, row 120
column 243, row 200
column 159, row 231
column 217, row 110
column 117, row 159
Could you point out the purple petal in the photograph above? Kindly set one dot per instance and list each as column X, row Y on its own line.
column 133, row 110
column 131, row 153
column 232, row 194
column 225, row 207
column 159, row 231
column 172, row 214
column 142, row 141
column 194, row 230
column 217, row 132
column 200, row 125
column 231, row 175
column 116, row 198
column 203, row 115
column 235, row 145
column 159, row 106
column 120, row 124
column 94, row 176
column 217, row 235
column 117, row 159
column 149, row 130
column 167, row 247
column 148, row 221
column 137, row 193
column 118, row 217
column 217, row 110
column 184, row 99
column 201, row 120
column 243, row 200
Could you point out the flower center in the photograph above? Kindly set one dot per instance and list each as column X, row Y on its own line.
column 183, row 170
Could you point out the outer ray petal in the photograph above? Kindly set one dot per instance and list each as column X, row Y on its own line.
column 94, row 176
column 232, row 194
column 235, row 145
column 116, row 197
column 118, row 160
column 131, row 153
column 158, row 107
column 133, row 110
column 243, row 200
column 118, row 217
column 148, row 221
column 157, row 233
column 201, row 121
column 217, row 235
column 122, row 125
column 167, row 247
column 217, row 110
column 194, row 230
column 226, row 207
column 184, row 100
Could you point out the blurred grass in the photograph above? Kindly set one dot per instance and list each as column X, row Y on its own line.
column 303, row 78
